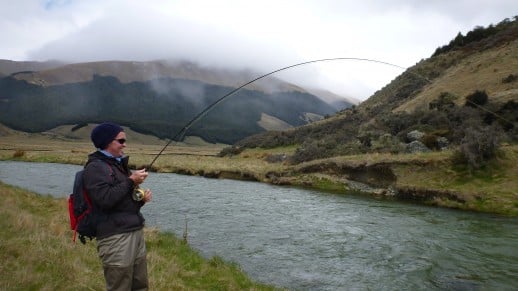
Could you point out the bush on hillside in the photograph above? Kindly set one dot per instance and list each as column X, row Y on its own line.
column 499, row 33
column 388, row 143
column 461, row 118
column 230, row 151
column 508, row 117
column 309, row 150
column 397, row 122
column 444, row 101
column 479, row 145
column 509, row 79
column 430, row 141
column 476, row 99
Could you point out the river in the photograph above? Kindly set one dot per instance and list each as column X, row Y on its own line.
column 309, row 240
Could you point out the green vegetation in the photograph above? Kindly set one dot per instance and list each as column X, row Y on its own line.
column 444, row 132
column 37, row 253
column 477, row 99
column 480, row 33
column 453, row 97
column 476, row 132
column 160, row 107
column 489, row 188
column 434, row 177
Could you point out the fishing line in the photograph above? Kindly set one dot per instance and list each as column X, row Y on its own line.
column 180, row 134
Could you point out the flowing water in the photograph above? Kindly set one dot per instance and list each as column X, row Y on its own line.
column 309, row 240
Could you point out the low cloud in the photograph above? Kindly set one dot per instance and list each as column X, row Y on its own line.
column 261, row 36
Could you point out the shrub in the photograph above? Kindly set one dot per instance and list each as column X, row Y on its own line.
column 476, row 99
column 461, row 118
column 397, row 122
column 507, row 115
column 19, row 154
column 479, row 145
column 509, row 79
column 231, row 151
column 388, row 144
column 310, row 150
column 444, row 101
column 430, row 141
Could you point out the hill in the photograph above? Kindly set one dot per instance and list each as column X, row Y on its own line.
column 8, row 67
column 157, row 98
column 467, row 89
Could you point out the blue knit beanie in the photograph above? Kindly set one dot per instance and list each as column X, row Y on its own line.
column 104, row 133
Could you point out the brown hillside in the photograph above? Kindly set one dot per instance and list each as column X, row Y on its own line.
column 480, row 71
column 478, row 61
column 8, row 67
column 127, row 72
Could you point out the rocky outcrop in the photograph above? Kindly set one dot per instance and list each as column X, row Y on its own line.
column 414, row 135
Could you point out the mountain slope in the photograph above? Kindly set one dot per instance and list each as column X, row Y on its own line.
column 482, row 70
column 151, row 103
column 430, row 97
column 8, row 67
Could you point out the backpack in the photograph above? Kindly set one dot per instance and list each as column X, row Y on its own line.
column 83, row 219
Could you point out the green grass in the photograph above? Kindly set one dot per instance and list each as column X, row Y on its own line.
column 493, row 188
column 37, row 253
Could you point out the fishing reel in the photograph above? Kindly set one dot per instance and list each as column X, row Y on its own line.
column 138, row 194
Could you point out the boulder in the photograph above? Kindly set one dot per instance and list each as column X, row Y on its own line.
column 414, row 135
column 442, row 143
column 416, row 147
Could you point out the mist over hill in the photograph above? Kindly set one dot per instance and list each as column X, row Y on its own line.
column 157, row 98
column 467, row 85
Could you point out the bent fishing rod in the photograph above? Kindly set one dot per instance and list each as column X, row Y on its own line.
column 181, row 133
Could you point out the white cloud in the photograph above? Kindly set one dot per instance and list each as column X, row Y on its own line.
column 263, row 35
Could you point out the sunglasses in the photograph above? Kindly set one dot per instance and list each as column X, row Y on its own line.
column 121, row 140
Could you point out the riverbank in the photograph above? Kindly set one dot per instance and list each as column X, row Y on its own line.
column 38, row 253
column 429, row 178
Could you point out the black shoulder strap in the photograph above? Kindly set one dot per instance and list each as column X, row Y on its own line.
column 109, row 165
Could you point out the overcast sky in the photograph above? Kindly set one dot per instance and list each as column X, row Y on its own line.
column 262, row 35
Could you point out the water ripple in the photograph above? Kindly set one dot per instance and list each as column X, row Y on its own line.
column 306, row 240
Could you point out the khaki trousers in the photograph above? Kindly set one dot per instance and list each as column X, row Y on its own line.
column 124, row 261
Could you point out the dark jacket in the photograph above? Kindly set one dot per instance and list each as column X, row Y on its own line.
column 110, row 190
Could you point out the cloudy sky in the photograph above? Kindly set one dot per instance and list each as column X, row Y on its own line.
column 261, row 35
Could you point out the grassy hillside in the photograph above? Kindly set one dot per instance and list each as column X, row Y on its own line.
column 8, row 67
column 469, row 86
column 485, row 70
column 128, row 72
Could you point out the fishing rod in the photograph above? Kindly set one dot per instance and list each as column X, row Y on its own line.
column 179, row 135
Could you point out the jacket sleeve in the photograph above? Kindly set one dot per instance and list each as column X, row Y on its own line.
column 104, row 190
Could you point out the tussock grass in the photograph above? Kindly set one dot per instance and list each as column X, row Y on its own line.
column 490, row 189
column 37, row 253
column 493, row 188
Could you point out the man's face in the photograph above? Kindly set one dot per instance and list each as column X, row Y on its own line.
column 117, row 145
